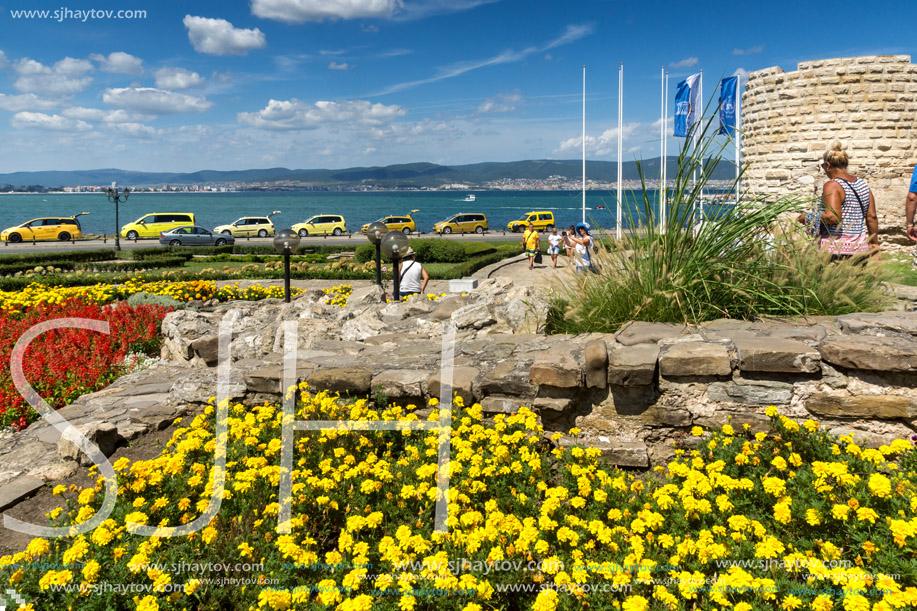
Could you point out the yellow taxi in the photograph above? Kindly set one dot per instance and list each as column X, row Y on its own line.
column 61, row 228
column 541, row 219
column 156, row 223
column 321, row 224
column 260, row 226
column 403, row 223
column 462, row 223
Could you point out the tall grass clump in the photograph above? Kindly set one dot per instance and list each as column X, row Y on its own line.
column 744, row 261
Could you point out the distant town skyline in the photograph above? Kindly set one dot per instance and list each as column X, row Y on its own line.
column 309, row 83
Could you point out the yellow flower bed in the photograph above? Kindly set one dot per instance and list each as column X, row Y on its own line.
column 39, row 294
column 787, row 519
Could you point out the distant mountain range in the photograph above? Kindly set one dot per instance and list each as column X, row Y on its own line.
column 401, row 175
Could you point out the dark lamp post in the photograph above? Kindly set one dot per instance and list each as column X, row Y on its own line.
column 374, row 234
column 394, row 245
column 115, row 196
column 286, row 241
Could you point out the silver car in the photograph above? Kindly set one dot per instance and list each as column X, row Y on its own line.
column 192, row 235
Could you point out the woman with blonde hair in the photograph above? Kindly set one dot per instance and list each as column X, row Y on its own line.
column 849, row 209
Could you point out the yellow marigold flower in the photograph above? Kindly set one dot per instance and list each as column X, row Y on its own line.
column 191, row 586
column 791, row 602
column 839, row 512
column 865, row 514
column 545, row 601
column 86, row 496
column 880, row 485
column 771, row 411
column 728, row 430
column 635, row 603
column 697, row 431
column 812, row 517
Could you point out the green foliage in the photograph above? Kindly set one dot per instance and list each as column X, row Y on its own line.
column 740, row 264
column 161, row 262
column 47, row 258
column 439, row 251
column 152, row 299
column 364, row 252
column 6, row 270
column 237, row 249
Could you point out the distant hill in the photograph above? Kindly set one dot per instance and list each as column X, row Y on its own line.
column 403, row 175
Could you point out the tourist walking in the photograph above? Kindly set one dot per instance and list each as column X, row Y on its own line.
column 849, row 209
column 583, row 248
column 531, row 244
column 414, row 277
column 910, row 207
column 554, row 240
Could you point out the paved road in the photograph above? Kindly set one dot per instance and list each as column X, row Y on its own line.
column 350, row 239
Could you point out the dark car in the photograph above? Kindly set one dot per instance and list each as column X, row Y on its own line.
column 192, row 235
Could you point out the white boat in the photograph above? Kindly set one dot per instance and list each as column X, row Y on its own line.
column 469, row 198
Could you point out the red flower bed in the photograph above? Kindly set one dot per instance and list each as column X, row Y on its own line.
column 63, row 364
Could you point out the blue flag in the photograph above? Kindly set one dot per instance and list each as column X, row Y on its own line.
column 687, row 105
column 728, row 104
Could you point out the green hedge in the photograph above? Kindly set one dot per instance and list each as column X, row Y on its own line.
column 6, row 270
column 46, row 258
column 428, row 251
column 237, row 249
column 129, row 266
column 225, row 258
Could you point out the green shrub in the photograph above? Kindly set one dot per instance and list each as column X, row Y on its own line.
column 364, row 253
column 129, row 266
column 152, row 299
column 6, row 270
column 439, row 251
column 45, row 258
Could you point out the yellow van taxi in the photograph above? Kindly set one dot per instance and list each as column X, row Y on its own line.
column 404, row 223
column 321, row 224
column 541, row 219
column 249, row 226
column 45, row 228
column 151, row 225
column 462, row 223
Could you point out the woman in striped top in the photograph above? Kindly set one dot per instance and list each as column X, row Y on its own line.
column 849, row 209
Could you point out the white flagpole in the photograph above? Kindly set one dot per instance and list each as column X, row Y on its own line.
column 737, row 132
column 618, row 219
column 701, row 98
column 584, row 144
column 665, row 153
column 661, row 145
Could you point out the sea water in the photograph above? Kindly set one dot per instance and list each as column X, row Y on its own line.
column 357, row 208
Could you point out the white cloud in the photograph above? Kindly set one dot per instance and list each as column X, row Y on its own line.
column 742, row 73
column 684, row 63
column 369, row 29
column 50, row 122
column 25, row 101
column 502, row 102
column 219, row 37
column 300, row 11
column 748, row 51
column 177, row 78
column 4, row 63
column 98, row 115
column 64, row 78
column 571, row 34
column 154, row 101
column 421, row 9
column 137, row 130
column 118, row 63
column 341, row 66
column 294, row 114
column 602, row 145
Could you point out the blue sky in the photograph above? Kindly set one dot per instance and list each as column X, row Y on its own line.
column 340, row 83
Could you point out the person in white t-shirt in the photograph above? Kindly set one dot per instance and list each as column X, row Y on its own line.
column 554, row 242
column 583, row 247
column 414, row 277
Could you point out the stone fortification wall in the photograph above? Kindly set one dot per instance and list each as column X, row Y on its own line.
column 869, row 104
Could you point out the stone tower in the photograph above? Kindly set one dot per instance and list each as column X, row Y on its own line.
column 869, row 104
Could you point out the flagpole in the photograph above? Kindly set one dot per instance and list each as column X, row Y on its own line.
column 665, row 153
column 738, row 132
column 661, row 140
column 618, row 219
column 701, row 120
column 584, row 143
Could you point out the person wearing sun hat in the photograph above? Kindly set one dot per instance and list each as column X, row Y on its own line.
column 583, row 247
column 414, row 277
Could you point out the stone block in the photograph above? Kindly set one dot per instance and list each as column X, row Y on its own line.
column 882, row 407
column 345, row 380
column 871, row 352
column 463, row 285
column 103, row 434
column 695, row 359
column 207, row 348
column 474, row 316
column 402, row 384
column 18, row 489
column 623, row 453
column 369, row 295
column 898, row 322
column 507, row 378
column 556, row 368
column 445, row 307
column 264, row 379
column 503, row 405
column 639, row 332
column 633, row 365
column 556, row 404
column 463, row 382
column 595, row 359
column 776, row 355
column 55, row 472
column 752, row 392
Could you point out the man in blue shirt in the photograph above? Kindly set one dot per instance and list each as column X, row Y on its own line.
column 910, row 206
